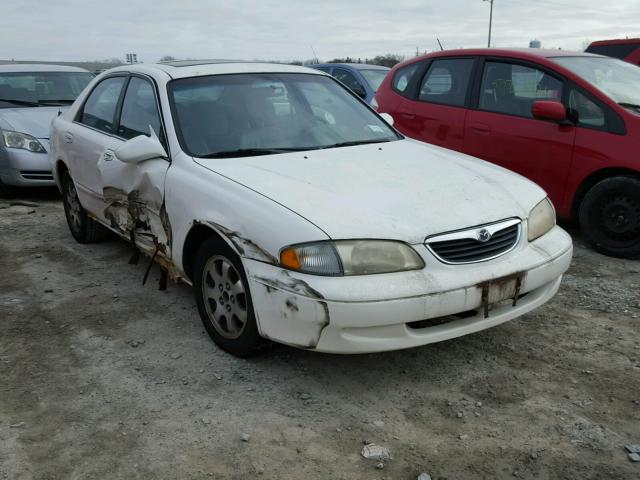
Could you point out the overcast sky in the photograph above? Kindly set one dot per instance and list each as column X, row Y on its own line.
column 68, row 30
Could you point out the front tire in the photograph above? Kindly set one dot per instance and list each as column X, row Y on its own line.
column 83, row 228
column 224, row 301
column 6, row 191
column 610, row 216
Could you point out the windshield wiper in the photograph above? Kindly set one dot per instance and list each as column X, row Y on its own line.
column 356, row 142
column 20, row 102
column 249, row 152
column 62, row 101
column 628, row 105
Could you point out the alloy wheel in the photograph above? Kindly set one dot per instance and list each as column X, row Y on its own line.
column 225, row 297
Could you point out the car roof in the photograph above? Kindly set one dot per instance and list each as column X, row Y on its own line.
column 357, row 66
column 198, row 68
column 39, row 67
column 522, row 53
column 616, row 41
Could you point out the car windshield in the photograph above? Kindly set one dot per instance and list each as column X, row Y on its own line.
column 259, row 114
column 374, row 77
column 619, row 80
column 26, row 89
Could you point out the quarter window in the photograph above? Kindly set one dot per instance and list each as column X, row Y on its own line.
column 585, row 112
column 100, row 108
column 403, row 76
column 447, row 81
column 511, row 88
column 139, row 110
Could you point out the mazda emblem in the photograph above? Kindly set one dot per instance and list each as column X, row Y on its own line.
column 483, row 235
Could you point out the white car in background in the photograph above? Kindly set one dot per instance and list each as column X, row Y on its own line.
column 297, row 213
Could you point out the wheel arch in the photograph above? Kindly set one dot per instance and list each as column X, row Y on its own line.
column 60, row 168
column 593, row 179
column 197, row 235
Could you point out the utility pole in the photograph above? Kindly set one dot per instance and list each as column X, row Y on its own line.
column 490, row 20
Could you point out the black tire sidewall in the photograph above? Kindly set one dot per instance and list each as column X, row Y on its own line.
column 80, row 234
column 588, row 215
column 249, row 340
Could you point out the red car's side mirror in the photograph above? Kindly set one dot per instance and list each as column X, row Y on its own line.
column 549, row 110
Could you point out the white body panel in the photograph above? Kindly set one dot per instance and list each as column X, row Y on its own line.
column 402, row 190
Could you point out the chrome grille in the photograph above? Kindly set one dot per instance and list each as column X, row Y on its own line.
column 475, row 244
column 37, row 174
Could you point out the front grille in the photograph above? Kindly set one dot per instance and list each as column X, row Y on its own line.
column 37, row 174
column 465, row 246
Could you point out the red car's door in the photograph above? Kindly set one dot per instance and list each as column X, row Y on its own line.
column 437, row 115
column 502, row 129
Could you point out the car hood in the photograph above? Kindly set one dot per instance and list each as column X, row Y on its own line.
column 35, row 121
column 403, row 190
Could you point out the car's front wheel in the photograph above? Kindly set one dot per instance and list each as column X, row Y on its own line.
column 223, row 298
column 610, row 216
column 83, row 228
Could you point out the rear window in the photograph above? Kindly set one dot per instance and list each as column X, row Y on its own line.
column 403, row 77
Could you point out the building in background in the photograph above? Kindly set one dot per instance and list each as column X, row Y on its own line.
column 535, row 44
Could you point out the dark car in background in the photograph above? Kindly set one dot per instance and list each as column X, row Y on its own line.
column 31, row 96
column 627, row 49
column 570, row 121
column 363, row 79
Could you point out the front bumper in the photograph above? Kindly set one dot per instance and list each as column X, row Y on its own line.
column 22, row 168
column 373, row 313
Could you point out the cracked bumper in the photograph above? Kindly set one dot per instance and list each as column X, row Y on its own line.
column 374, row 313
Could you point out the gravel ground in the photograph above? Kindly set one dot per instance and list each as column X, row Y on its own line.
column 102, row 377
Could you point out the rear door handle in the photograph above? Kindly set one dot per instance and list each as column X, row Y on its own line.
column 68, row 137
column 481, row 127
column 408, row 115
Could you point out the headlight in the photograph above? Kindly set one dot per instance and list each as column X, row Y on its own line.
column 22, row 141
column 351, row 257
column 542, row 218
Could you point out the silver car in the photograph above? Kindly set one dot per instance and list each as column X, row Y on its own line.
column 31, row 96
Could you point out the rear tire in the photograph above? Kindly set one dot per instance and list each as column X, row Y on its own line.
column 610, row 216
column 83, row 228
column 224, row 301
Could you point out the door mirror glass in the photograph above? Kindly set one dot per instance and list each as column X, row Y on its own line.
column 549, row 110
column 140, row 149
column 387, row 118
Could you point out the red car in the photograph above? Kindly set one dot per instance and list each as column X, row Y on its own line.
column 627, row 49
column 568, row 121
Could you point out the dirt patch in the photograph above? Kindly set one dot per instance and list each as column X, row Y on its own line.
column 101, row 377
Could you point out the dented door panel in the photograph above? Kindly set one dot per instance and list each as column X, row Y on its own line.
column 134, row 201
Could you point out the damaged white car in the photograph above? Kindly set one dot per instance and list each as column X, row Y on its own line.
column 297, row 213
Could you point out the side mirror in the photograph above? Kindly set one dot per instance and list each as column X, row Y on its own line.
column 549, row 110
column 140, row 149
column 387, row 118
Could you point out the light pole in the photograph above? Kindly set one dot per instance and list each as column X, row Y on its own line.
column 490, row 21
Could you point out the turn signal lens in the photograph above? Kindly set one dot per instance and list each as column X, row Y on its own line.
column 289, row 258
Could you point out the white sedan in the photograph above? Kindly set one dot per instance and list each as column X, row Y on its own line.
column 297, row 213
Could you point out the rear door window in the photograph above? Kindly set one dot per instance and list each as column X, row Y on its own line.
column 447, row 81
column 512, row 88
column 139, row 110
column 100, row 108
column 348, row 78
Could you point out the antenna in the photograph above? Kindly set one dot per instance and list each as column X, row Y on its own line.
column 441, row 47
column 314, row 54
